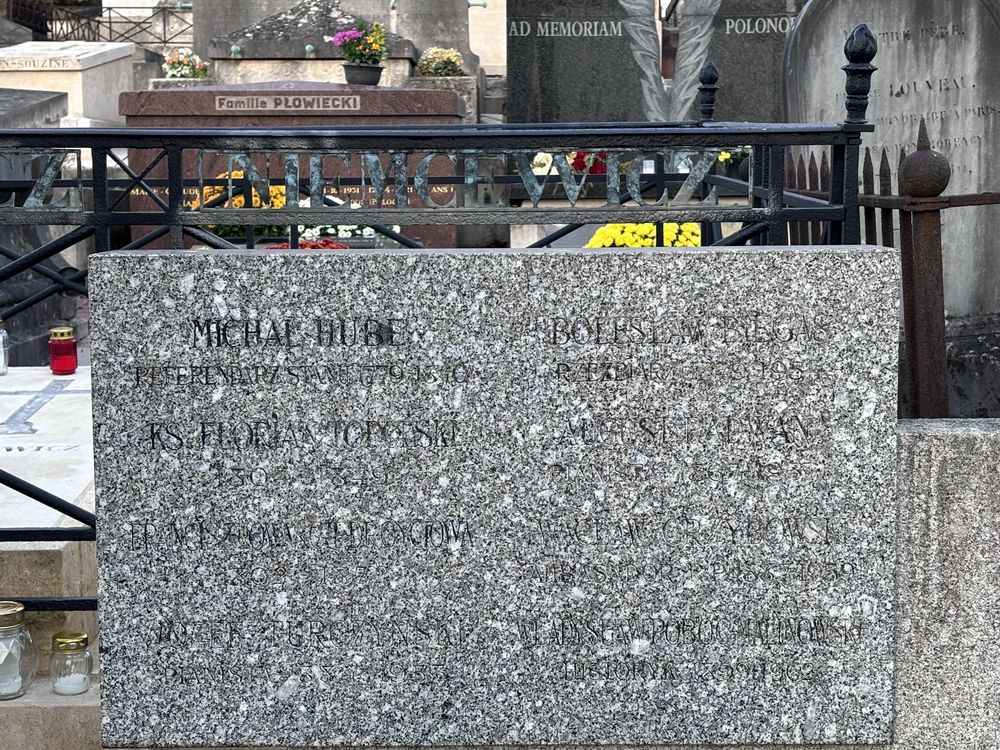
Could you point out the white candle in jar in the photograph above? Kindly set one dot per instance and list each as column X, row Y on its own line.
column 71, row 684
column 10, row 684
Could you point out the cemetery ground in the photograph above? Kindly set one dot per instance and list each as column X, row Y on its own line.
column 639, row 419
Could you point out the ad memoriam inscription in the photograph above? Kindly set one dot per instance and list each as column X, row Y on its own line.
column 462, row 498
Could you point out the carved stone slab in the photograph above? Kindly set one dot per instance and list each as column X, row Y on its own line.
column 929, row 66
column 496, row 497
column 59, row 56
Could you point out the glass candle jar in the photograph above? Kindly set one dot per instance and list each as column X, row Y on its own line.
column 62, row 351
column 70, row 663
column 18, row 658
column 4, row 349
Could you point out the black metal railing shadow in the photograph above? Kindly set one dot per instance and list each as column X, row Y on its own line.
column 180, row 185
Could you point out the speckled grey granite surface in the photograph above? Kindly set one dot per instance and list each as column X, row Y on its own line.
column 948, row 684
column 516, row 497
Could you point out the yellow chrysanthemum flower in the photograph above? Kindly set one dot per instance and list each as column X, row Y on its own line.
column 644, row 235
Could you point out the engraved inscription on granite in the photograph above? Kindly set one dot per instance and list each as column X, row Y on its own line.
column 496, row 497
column 550, row 41
column 288, row 102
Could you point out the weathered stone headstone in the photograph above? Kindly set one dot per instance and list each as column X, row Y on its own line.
column 427, row 23
column 290, row 46
column 92, row 74
column 573, row 62
column 216, row 18
column 468, row 497
column 931, row 64
column 745, row 39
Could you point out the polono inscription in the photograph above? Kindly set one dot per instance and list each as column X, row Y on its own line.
column 503, row 497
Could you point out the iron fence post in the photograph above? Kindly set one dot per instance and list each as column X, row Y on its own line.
column 708, row 79
column 175, row 194
column 923, row 176
column 859, row 49
column 102, row 232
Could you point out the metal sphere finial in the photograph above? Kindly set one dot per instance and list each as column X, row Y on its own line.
column 925, row 173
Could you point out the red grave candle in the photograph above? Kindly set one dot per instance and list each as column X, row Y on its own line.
column 62, row 351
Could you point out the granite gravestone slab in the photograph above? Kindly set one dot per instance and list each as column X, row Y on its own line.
column 930, row 62
column 745, row 39
column 482, row 497
column 568, row 62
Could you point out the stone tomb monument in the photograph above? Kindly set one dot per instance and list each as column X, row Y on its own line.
column 496, row 497
column 427, row 23
column 573, row 62
column 293, row 103
column 289, row 46
column 601, row 61
column 217, row 18
column 745, row 39
column 931, row 64
column 92, row 74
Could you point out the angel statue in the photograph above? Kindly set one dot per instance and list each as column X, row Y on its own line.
column 673, row 103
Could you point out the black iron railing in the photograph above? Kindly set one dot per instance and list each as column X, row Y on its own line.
column 181, row 185
column 154, row 26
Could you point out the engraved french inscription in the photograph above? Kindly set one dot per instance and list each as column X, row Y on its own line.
column 496, row 498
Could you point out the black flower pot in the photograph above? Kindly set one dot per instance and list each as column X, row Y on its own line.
column 363, row 75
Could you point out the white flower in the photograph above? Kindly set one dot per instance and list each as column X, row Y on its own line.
column 541, row 163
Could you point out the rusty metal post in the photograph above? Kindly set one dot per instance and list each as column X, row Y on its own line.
column 923, row 176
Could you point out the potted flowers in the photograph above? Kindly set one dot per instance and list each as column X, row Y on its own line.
column 364, row 49
column 440, row 62
column 183, row 63
column 182, row 68
column 734, row 162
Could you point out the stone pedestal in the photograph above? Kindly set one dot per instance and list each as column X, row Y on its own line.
column 92, row 74
column 42, row 720
column 180, row 83
column 467, row 88
column 326, row 70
